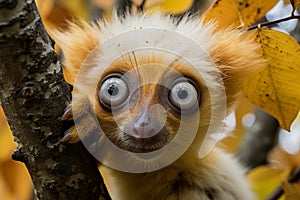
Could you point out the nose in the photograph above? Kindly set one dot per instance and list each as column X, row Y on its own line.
column 147, row 123
column 142, row 120
column 142, row 126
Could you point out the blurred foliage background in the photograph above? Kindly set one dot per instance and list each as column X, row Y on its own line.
column 15, row 183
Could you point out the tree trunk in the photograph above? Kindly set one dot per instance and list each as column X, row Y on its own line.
column 34, row 94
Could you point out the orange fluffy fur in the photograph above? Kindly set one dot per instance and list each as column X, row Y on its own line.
column 217, row 176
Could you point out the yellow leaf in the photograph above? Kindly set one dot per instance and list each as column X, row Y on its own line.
column 16, row 177
column 264, row 180
column 15, row 182
column 7, row 143
column 169, row 6
column 77, row 8
column 276, row 88
column 295, row 3
column 238, row 13
column 104, row 4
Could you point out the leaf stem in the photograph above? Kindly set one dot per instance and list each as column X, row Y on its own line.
column 274, row 22
column 279, row 190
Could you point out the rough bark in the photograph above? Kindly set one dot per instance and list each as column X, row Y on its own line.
column 34, row 94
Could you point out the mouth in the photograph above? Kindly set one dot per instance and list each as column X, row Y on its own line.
column 146, row 145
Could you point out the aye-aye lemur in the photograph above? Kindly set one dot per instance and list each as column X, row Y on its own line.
column 124, row 68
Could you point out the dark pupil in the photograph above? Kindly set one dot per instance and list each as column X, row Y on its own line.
column 182, row 94
column 113, row 90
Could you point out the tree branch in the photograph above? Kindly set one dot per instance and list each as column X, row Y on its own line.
column 274, row 22
column 34, row 94
column 278, row 192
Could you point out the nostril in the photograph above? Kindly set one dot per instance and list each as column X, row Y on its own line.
column 145, row 123
column 135, row 132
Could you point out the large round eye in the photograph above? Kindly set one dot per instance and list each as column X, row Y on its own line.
column 113, row 92
column 183, row 95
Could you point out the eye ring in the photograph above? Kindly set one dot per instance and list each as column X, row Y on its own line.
column 113, row 92
column 183, row 95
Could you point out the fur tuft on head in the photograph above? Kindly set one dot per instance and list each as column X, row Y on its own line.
column 76, row 43
column 237, row 56
column 233, row 52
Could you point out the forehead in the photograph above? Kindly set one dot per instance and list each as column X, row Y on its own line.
column 151, row 66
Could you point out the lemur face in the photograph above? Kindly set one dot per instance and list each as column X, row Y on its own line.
column 151, row 83
column 141, row 100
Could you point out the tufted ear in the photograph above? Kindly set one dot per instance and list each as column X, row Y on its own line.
column 76, row 44
column 237, row 56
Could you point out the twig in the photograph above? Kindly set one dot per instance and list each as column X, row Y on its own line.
column 274, row 22
column 279, row 190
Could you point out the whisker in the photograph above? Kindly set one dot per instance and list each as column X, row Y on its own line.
column 123, row 57
column 134, row 56
column 170, row 65
column 136, row 66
